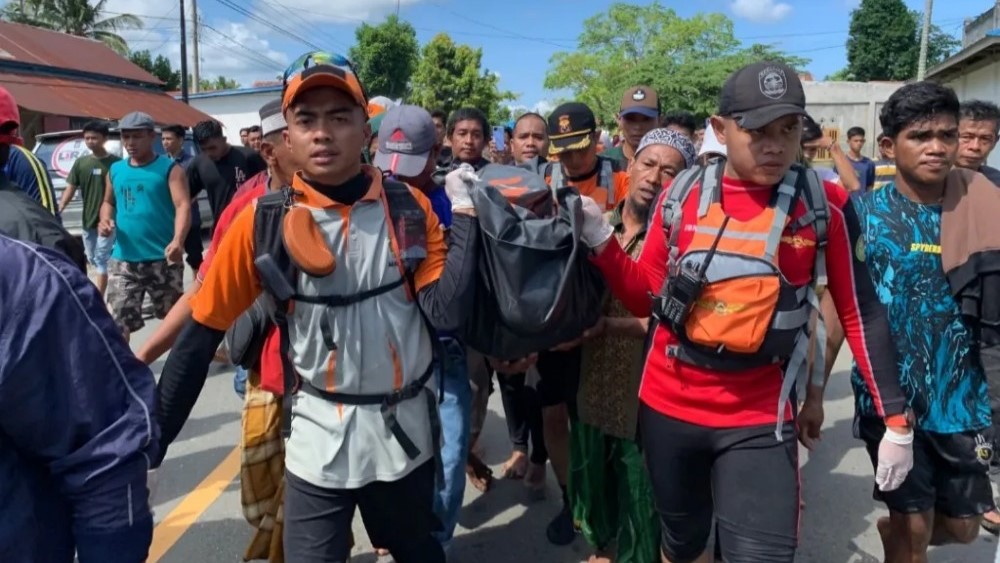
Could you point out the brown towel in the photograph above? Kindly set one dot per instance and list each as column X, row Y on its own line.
column 970, row 218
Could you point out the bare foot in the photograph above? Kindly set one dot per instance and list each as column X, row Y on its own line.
column 514, row 468
column 480, row 475
column 991, row 522
column 534, row 479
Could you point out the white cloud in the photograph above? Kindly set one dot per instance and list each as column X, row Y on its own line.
column 761, row 11
column 543, row 107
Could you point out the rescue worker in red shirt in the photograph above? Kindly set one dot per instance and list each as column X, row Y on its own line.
column 746, row 259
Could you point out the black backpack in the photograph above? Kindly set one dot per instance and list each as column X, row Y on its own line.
column 535, row 286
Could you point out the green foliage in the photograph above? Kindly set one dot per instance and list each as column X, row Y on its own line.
column 75, row 17
column 159, row 67
column 685, row 60
column 449, row 77
column 884, row 42
column 386, row 56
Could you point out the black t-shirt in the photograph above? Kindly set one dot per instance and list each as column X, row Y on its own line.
column 347, row 193
column 221, row 179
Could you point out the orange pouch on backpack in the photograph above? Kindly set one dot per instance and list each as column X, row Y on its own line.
column 735, row 313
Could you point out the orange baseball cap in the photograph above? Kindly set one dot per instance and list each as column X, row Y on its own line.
column 326, row 70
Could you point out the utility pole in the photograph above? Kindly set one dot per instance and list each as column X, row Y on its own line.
column 184, row 60
column 194, row 43
column 924, row 38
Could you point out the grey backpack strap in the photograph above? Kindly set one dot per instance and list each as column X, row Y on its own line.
column 670, row 213
column 606, row 181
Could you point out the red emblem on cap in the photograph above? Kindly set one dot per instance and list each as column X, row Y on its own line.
column 398, row 136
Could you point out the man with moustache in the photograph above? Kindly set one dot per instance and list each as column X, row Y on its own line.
column 609, row 489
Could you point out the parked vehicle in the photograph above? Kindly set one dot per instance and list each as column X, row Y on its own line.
column 60, row 150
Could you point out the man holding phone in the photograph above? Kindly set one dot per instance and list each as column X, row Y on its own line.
column 500, row 150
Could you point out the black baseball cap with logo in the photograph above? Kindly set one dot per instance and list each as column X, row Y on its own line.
column 571, row 127
column 759, row 93
column 641, row 100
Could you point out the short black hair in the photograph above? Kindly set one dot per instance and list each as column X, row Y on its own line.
column 682, row 118
column 917, row 102
column 97, row 126
column 178, row 130
column 467, row 114
column 855, row 132
column 207, row 130
column 534, row 115
column 440, row 114
column 254, row 129
column 980, row 110
column 244, row 130
column 810, row 129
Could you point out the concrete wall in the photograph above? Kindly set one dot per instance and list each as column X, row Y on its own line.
column 838, row 106
column 981, row 84
column 234, row 111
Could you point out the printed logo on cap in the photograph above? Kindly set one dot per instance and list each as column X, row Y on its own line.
column 772, row 82
column 639, row 95
column 564, row 126
column 398, row 141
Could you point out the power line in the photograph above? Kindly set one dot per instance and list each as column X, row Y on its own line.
column 313, row 28
column 256, row 56
column 243, row 11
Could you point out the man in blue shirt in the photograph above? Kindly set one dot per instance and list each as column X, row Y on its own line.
column 77, row 435
column 148, row 208
column 407, row 149
column 948, row 490
column 863, row 166
column 23, row 168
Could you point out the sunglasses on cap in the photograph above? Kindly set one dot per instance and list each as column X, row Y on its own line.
column 320, row 58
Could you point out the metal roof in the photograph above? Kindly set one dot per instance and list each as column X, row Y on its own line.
column 977, row 55
column 62, row 96
column 234, row 92
column 24, row 48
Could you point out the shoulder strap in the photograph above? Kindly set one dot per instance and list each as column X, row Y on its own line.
column 278, row 277
column 818, row 215
column 555, row 173
column 605, row 179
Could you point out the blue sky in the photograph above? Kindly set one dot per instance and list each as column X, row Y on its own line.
column 518, row 37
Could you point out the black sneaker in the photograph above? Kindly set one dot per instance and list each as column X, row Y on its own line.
column 561, row 530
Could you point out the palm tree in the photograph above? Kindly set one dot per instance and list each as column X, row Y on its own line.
column 75, row 17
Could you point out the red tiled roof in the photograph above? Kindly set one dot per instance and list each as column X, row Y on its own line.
column 64, row 96
column 31, row 45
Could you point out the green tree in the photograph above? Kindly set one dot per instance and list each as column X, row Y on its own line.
column 884, row 42
column 75, row 17
column 218, row 83
column 386, row 56
column 449, row 77
column 159, row 67
column 685, row 60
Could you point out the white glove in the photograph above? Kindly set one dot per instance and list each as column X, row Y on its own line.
column 895, row 459
column 596, row 229
column 458, row 184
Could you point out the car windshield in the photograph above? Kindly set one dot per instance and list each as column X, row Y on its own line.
column 59, row 153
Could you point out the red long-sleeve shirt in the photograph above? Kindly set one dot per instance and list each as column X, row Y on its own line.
column 749, row 398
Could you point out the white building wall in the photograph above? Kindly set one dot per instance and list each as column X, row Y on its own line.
column 981, row 84
column 841, row 105
column 234, row 111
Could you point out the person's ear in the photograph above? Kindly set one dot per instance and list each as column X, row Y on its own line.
column 719, row 128
column 888, row 146
column 287, row 139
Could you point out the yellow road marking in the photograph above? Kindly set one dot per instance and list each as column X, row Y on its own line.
column 167, row 532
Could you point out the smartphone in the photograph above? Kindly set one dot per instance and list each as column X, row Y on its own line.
column 499, row 138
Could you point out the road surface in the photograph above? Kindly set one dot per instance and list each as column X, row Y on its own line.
column 199, row 519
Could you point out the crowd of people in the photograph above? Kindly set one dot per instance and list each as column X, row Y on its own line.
column 341, row 275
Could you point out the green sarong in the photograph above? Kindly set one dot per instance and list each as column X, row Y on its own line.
column 611, row 495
